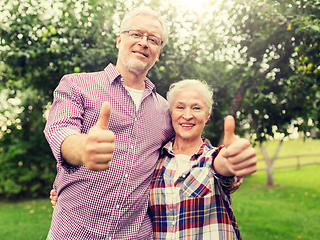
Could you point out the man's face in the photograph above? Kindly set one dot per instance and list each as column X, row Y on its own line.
column 135, row 54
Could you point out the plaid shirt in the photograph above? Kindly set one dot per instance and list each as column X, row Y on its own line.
column 110, row 204
column 197, row 205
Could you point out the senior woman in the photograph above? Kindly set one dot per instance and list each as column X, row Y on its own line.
column 189, row 197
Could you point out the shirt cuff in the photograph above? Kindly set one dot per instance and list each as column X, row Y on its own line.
column 225, row 181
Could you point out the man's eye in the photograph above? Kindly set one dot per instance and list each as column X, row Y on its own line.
column 135, row 35
column 153, row 40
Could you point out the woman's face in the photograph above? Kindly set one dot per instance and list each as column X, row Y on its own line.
column 189, row 114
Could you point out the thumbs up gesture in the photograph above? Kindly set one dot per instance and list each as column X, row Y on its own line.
column 99, row 143
column 238, row 157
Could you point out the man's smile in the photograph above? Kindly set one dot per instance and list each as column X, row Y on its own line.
column 141, row 53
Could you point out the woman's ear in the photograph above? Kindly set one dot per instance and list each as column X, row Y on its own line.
column 209, row 114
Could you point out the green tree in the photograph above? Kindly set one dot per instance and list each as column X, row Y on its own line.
column 278, row 68
column 36, row 52
column 38, row 49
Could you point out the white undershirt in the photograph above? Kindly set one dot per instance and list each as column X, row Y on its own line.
column 183, row 164
column 136, row 96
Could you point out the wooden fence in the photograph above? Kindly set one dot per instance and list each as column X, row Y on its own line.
column 291, row 161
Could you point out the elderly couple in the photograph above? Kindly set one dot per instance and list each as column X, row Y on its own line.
column 131, row 165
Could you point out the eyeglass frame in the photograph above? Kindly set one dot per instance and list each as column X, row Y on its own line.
column 143, row 35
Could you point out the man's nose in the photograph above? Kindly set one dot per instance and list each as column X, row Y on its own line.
column 144, row 41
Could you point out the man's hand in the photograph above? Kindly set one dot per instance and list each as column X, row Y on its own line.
column 241, row 157
column 94, row 149
column 99, row 144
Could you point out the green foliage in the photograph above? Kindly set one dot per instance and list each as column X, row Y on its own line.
column 38, row 49
column 36, row 52
column 263, row 64
column 279, row 42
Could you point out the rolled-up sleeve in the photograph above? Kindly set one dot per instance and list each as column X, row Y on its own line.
column 65, row 117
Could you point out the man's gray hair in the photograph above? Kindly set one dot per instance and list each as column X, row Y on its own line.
column 200, row 85
column 146, row 11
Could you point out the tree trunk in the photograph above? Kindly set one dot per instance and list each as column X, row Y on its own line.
column 269, row 162
column 235, row 105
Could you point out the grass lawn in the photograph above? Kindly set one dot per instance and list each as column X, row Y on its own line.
column 25, row 220
column 288, row 211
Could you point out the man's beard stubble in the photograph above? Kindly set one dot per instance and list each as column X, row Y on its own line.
column 135, row 66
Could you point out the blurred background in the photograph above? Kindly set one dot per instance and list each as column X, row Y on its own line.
column 262, row 57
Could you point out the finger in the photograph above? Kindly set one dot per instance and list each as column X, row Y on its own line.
column 247, row 171
column 99, row 166
column 241, row 148
column 240, row 154
column 105, row 147
column 53, row 192
column 104, row 116
column 53, row 204
column 229, row 127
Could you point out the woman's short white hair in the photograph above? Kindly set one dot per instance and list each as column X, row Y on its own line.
column 146, row 11
column 201, row 86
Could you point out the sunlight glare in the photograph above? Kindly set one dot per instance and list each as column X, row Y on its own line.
column 198, row 6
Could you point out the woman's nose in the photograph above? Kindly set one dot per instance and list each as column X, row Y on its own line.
column 187, row 114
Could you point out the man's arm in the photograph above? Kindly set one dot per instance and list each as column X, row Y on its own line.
column 94, row 149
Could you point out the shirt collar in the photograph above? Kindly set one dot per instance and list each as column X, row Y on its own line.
column 114, row 75
column 204, row 147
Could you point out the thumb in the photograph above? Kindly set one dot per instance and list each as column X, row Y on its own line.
column 104, row 116
column 229, row 126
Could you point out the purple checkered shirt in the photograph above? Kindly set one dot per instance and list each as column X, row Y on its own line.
column 111, row 204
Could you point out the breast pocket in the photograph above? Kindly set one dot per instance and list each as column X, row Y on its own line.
column 197, row 184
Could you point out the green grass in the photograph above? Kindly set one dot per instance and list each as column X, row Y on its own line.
column 25, row 220
column 288, row 211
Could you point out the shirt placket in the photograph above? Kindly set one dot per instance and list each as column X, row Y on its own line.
column 127, row 170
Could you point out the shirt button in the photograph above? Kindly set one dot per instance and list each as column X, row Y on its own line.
column 131, row 146
column 135, row 119
column 117, row 206
column 126, row 175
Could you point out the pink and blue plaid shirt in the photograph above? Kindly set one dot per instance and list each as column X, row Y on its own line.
column 111, row 204
column 196, row 205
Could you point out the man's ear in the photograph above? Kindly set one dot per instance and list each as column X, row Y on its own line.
column 159, row 55
column 118, row 41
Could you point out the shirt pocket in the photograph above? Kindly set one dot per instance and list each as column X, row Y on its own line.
column 197, row 184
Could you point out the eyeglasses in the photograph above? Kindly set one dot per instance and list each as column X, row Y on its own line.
column 153, row 40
